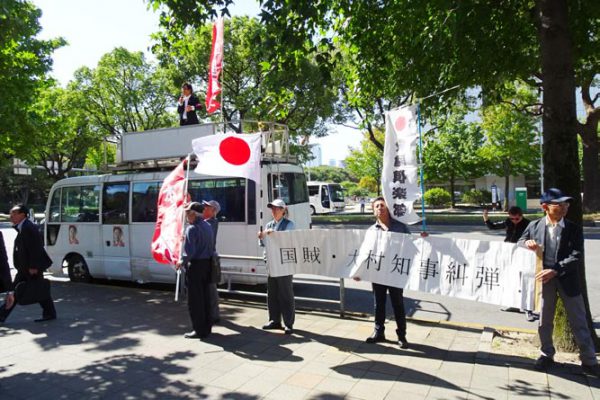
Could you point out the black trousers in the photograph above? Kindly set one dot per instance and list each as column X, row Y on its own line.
column 280, row 299
column 48, row 309
column 198, row 281
column 397, row 299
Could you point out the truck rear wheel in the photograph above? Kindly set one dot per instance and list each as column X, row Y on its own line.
column 78, row 270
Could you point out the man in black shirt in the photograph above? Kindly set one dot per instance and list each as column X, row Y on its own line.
column 515, row 225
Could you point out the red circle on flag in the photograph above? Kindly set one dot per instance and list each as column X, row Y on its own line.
column 400, row 123
column 234, row 150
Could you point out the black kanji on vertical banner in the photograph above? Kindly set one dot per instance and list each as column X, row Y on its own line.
column 400, row 176
column 399, row 209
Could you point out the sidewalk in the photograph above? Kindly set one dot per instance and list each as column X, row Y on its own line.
column 127, row 343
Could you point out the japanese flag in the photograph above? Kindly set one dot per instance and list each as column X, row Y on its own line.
column 229, row 155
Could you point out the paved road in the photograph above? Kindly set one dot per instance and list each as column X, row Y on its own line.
column 434, row 307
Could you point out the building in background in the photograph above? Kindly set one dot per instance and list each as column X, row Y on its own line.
column 317, row 155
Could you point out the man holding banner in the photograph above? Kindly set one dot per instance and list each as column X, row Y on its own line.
column 386, row 223
column 560, row 243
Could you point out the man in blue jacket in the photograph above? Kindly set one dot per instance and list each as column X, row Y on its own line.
column 561, row 244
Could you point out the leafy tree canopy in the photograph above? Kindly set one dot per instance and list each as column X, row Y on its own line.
column 300, row 97
column 24, row 62
column 125, row 93
column 326, row 173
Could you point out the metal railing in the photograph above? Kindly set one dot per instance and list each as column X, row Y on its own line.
column 229, row 275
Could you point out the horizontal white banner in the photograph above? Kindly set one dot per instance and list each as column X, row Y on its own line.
column 487, row 271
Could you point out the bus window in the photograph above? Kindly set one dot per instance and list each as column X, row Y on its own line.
column 229, row 192
column 80, row 204
column 291, row 187
column 337, row 193
column 325, row 197
column 313, row 190
column 251, row 202
column 54, row 214
column 115, row 203
column 144, row 201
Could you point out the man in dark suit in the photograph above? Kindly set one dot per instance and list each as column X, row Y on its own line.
column 561, row 244
column 30, row 260
column 5, row 277
column 187, row 106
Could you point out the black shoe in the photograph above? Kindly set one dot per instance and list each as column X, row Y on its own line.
column 531, row 316
column 543, row 363
column 271, row 325
column 403, row 342
column 288, row 330
column 593, row 370
column 45, row 318
column 376, row 336
column 510, row 309
column 191, row 335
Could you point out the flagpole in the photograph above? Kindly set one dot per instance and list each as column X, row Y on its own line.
column 185, row 189
column 221, row 77
column 424, row 217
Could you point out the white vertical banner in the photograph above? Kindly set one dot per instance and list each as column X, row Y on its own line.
column 400, row 166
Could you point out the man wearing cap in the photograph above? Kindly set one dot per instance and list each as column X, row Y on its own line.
column 561, row 244
column 280, row 290
column 198, row 248
column 211, row 209
column 30, row 260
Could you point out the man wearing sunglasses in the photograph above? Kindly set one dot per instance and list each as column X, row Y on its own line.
column 515, row 225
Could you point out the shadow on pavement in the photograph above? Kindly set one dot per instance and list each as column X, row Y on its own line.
column 102, row 320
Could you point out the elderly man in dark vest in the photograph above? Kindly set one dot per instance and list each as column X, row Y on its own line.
column 561, row 244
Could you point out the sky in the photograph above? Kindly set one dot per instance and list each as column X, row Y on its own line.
column 94, row 28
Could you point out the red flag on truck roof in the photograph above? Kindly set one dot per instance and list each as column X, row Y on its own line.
column 215, row 67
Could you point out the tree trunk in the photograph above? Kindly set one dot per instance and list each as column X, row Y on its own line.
column 452, row 202
column 559, row 120
column 591, row 167
column 506, row 184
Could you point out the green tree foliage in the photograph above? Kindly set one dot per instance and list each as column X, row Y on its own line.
column 511, row 146
column 353, row 189
column 124, row 93
column 29, row 189
column 24, row 61
column 101, row 156
column 326, row 173
column 476, row 196
column 367, row 161
column 60, row 135
column 452, row 150
column 437, row 197
column 428, row 46
column 300, row 97
column 369, row 183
